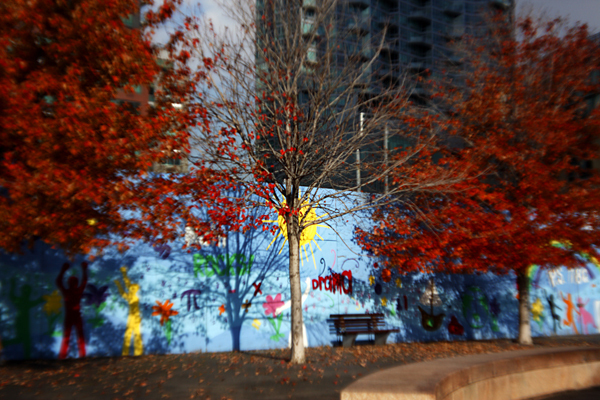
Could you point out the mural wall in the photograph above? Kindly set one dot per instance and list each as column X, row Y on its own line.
column 565, row 302
column 235, row 295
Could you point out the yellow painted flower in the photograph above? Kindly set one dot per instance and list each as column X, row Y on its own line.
column 398, row 282
column 92, row 221
column 371, row 280
column 384, row 301
column 53, row 303
column 537, row 308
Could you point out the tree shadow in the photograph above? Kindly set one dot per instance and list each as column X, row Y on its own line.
column 232, row 276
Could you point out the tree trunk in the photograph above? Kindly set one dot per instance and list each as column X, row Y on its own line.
column 524, row 312
column 298, row 355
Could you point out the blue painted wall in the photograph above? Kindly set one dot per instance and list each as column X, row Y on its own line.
column 565, row 302
column 236, row 296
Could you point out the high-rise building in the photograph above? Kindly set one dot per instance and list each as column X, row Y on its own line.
column 141, row 99
column 418, row 33
column 379, row 44
column 426, row 29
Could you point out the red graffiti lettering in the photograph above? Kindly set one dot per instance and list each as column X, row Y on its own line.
column 348, row 275
column 334, row 282
column 322, row 283
column 315, row 284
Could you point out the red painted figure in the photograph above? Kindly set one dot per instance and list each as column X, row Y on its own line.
column 72, row 298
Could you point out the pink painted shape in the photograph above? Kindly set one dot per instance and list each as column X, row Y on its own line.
column 272, row 304
column 586, row 317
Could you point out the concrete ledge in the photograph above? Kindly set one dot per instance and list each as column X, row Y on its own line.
column 510, row 375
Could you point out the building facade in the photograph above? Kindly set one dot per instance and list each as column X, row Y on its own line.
column 382, row 49
column 414, row 36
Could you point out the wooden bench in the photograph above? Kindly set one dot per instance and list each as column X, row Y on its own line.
column 349, row 326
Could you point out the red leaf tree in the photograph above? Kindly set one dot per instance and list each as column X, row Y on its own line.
column 71, row 156
column 526, row 129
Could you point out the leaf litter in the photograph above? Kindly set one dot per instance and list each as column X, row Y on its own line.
column 234, row 375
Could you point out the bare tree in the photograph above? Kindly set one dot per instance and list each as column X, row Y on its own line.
column 299, row 106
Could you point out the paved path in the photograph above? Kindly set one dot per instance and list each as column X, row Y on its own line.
column 587, row 394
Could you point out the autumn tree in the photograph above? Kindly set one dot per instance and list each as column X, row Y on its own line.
column 528, row 134
column 302, row 110
column 71, row 154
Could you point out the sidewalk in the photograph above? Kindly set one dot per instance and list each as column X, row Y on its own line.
column 586, row 394
column 243, row 375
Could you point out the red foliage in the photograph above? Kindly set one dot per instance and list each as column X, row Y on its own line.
column 524, row 128
column 71, row 157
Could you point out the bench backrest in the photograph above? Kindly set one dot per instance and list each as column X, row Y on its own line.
column 340, row 323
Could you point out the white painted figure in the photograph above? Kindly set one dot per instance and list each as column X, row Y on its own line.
column 287, row 305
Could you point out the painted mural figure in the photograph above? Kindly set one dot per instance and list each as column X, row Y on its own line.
column 24, row 304
column 134, row 320
column 586, row 317
column 553, row 307
column 476, row 306
column 570, row 321
column 537, row 310
column 72, row 299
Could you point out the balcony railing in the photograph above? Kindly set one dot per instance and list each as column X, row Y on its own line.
column 420, row 39
column 500, row 3
column 360, row 24
column 362, row 3
column 422, row 14
column 453, row 7
column 309, row 3
column 308, row 27
column 416, row 65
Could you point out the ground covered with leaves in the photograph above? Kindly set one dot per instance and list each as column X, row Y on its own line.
column 235, row 375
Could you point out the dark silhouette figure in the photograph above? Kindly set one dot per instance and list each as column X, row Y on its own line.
column 553, row 307
column 72, row 298
column 24, row 304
